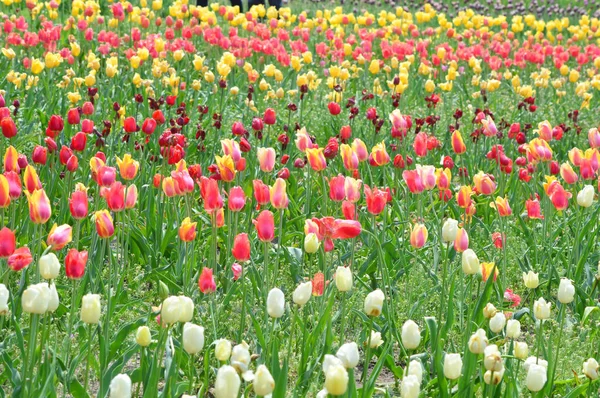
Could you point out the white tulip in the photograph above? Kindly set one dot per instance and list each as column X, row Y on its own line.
column 585, row 197
column 275, row 303
column 170, row 310
column 411, row 335
column 534, row 361
column 90, row 308
column 410, row 387
column 4, row 296
column 478, row 341
column 120, row 386
column 492, row 377
column 415, row 368
column 449, row 230
column 348, row 354
column 374, row 303
column 343, row 279
column 35, row 298
column 228, row 382
column 193, row 338
column 531, row 280
column 566, row 291
column 54, row 301
column 470, row 262
column 513, row 329
column 521, row 350
column 49, row 266
column 452, row 366
column 497, row 322
column 541, row 308
column 303, row 293
column 336, row 379
column 187, row 309
column 222, row 350
column 489, row 311
column 264, row 384
column 375, row 340
column 492, row 359
column 143, row 336
column 536, row 378
column 590, row 368
column 240, row 357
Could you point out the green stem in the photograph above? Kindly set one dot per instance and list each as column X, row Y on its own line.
column 367, row 357
column 87, row 362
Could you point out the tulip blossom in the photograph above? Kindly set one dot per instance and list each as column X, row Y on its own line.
column 501, row 204
column 114, row 196
column 265, row 226
column 19, row 259
column 7, row 242
column 487, row 269
column 379, row 155
column 104, row 224
column 226, row 167
column 376, row 199
column 206, row 281
column 337, row 191
column 316, row 159
column 461, row 241
column 266, row 159
column 458, row 145
column 241, row 247
column 418, row 236
column 209, row 190
column 484, row 184
column 75, row 263
column 360, row 149
column 278, row 194
column 59, row 237
column 187, row 230
column 349, row 157
column 4, row 192
column 128, row 167
column 39, row 206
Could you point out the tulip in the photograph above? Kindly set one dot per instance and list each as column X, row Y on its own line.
column 187, row 309
column 231, row 148
column 566, row 291
column 54, row 302
column 449, row 230
column 470, row 262
column 236, row 199
column 131, row 195
column 461, row 241
column 4, row 192
column 531, row 280
column 513, row 329
column 39, row 155
column 20, row 259
column 484, row 185
column 4, row 296
column 36, row 298
column 170, row 310
column 487, row 269
column 193, row 338
column 590, row 369
column 226, row 167
column 263, row 383
column 337, row 191
column 265, row 226
column 39, row 206
column 241, row 247
column 492, row 377
column 348, row 355
column 104, row 224
column 585, row 197
column 209, row 190
column 266, row 159
column 541, row 309
column 90, row 308
column 237, row 271
column 59, row 237
column 240, row 358
column 411, row 336
column 275, row 303
column 206, row 281
column 521, row 350
column 463, row 197
column 187, row 230
column 120, row 386
column 49, row 266
column 128, row 167
column 302, row 293
column 534, row 361
column 349, row 157
column 501, row 204
column 492, row 359
column 261, row 192
column 75, row 262
column 458, row 145
column 418, row 236
column 311, row 243
column 489, row 311
column 11, row 159
column 336, row 379
column 415, row 368
column 279, row 198
column 497, row 322
column 375, row 340
column 410, row 387
column 316, row 159
column 115, row 196
column 143, row 336
column 270, row 117
column 78, row 205
column 374, row 303
column 9, row 128
column 478, row 341
column 536, row 378
column 376, row 199
column 379, row 155
column 452, row 366
column 222, row 350
column 343, row 279
column 8, row 242
column 568, row 174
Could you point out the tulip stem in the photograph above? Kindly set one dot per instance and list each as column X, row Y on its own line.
column 212, row 313
column 244, row 295
column 367, row 357
column 279, row 245
column 29, row 364
column 561, row 315
column 539, row 341
column 142, row 355
column 87, row 362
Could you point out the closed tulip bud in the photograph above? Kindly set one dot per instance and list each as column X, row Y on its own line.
column 521, row 350
column 222, row 350
column 343, row 279
column 449, row 230
column 494, row 378
column 461, row 242
column 90, row 308
column 348, row 354
column 336, row 379
column 566, row 291
column 49, row 266
column 470, row 262
column 497, row 322
column 374, row 303
column 241, row 247
column 531, row 280
column 416, row 369
column 311, row 243
column 411, row 335
column 418, row 236
column 275, row 303
column 375, row 340
column 410, row 387
column 170, row 310
column 120, row 386
column 35, row 299
column 303, row 293
column 489, row 311
column 585, row 197
column 492, row 359
column 513, row 329
column 193, row 338
column 541, row 309
column 478, row 341
column 187, row 309
column 263, row 383
column 54, row 300
column 590, row 369
column 143, row 336
column 452, row 366
column 536, row 378
column 265, row 226
column 8, row 241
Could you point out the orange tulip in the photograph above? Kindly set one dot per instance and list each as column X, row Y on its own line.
column 104, row 224
column 209, row 190
column 59, row 237
column 11, row 159
column 31, row 179
column 461, row 241
column 458, row 145
column 39, row 206
column 128, row 167
column 501, row 204
column 568, row 174
column 418, row 236
column 4, row 192
column 226, row 167
column 484, row 184
column 463, row 196
column 187, row 230
column 360, row 149
column 379, row 155
column 349, row 157
column 443, row 177
column 279, row 198
column 316, row 159
column 538, row 150
column 487, row 269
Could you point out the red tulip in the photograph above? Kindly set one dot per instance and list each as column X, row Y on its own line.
column 261, row 192
column 20, row 259
column 39, row 155
column 270, row 117
column 149, row 126
column 241, row 247
column 420, row 144
column 114, row 196
column 87, row 126
column 78, row 205
column 346, row 229
column 78, row 141
column 9, row 128
column 376, row 199
column 206, row 281
column 55, row 124
column 534, row 209
column 237, row 271
column 87, row 108
column 73, row 116
column 349, row 210
column 337, row 191
column 334, row 108
column 8, row 242
column 75, row 262
column 130, row 125
column 265, row 226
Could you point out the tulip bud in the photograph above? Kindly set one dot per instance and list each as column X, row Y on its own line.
column 566, row 291
column 303, row 293
column 311, row 243
column 492, row 359
column 275, row 303
column 489, row 311
column 452, row 366
column 187, row 309
column 120, row 386
column 222, row 350
column 534, row 361
column 348, row 354
column 478, row 341
column 240, row 357
column 513, row 329
column 497, row 322
column 163, row 290
column 521, row 350
column 410, row 387
column 193, row 338
column 585, row 197
column 35, row 299
column 411, row 336
column 494, row 378
column 375, row 341
column 49, row 266
column 143, row 337
column 264, row 384
column 4, row 296
column 228, row 383
column 590, row 369
column 470, row 262
column 541, row 309
column 536, row 378
column 415, row 369
column 90, row 308
column 343, row 279
column 336, row 379
column 374, row 303
column 449, row 230
column 531, row 280
column 54, row 301
column 170, row 310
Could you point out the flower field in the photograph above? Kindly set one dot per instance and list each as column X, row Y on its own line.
column 314, row 201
